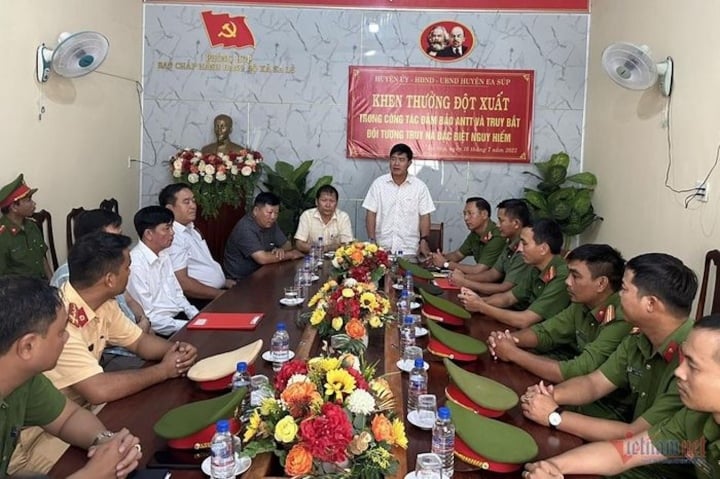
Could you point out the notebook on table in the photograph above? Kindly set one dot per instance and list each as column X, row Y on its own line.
column 242, row 321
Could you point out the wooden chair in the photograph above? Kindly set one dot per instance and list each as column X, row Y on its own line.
column 435, row 238
column 712, row 256
column 110, row 204
column 44, row 221
column 70, row 225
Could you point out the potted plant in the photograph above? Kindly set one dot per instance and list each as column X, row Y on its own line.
column 569, row 205
column 290, row 184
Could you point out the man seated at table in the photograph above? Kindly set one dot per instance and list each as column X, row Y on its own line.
column 656, row 295
column 200, row 276
column 690, row 438
column 31, row 339
column 398, row 207
column 152, row 280
column 484, row 242
column 257, row 240
column 92, row 221
column 579, row 339
column 513, row 216
column 542, row 288
column 22, row 247
column 324, row 221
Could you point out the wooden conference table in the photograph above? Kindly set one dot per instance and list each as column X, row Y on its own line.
column 260, row 293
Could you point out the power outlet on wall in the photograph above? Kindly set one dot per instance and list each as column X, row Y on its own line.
column 702, row 191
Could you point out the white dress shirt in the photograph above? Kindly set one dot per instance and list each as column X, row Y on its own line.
column 154, row 285
column 189, row 250
column 398, row 209
column 311, row 226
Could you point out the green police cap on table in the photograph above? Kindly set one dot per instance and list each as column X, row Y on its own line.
column 478, row 393
column 192, row 425
column 449, row 344
column 442, row 310
column 488, row 443
column 417, row 271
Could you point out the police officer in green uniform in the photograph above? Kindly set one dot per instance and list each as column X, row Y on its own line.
column 22, row 248
column 582, row 336
column 484, row 242
column 542, row 287
column 656, row 295
column 691, row 436
column 34, row 320
column 513, row 216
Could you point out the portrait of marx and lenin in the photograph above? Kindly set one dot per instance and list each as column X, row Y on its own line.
column 447, row 41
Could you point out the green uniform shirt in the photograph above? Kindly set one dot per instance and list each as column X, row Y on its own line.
column 545, row 290
column 35, row 403
column 485, row 247
column 510, row 264
column 22, row 250
column 647, row 374
column 692, row 436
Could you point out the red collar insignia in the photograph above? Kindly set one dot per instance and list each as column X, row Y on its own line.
column 487, row 237
column 671, row 351
column 77, row 315
column 14, row 230
column 2, row 229
column 549, row 275
column 606, row 314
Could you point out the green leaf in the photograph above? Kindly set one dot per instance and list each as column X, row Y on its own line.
column 535, row 199
column 560, row 159
column 585, row 178
column 556, row 175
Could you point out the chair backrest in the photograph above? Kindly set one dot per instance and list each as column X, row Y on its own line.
column 110, row 204
column 436, row 237
column 44, row 221
column 70, row 225
column 712, row 256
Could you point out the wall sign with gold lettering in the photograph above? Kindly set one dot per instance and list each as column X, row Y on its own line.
column 442, row 114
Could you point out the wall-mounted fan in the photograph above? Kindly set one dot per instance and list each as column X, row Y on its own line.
column 77, row 54
column 631, row 66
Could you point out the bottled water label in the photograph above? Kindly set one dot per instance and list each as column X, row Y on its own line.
column 417, row 385
column 222, row 462
column 444, row 446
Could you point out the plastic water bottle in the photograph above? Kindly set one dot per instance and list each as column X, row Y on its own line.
column 222, row 452
column 241, row 379
column 403, row 305
column 320, row 249
column 280, row 346
column 306, row 273
column 409, row 284
column 417, row 384
column 443, row 441
column 407, row 334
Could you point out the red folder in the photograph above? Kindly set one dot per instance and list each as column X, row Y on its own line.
column 244, row 321
column 446, row 284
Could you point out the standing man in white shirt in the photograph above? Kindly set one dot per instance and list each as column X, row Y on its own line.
column 398, row 207
column 325, row 221
column 200, row 276
column 152, row 279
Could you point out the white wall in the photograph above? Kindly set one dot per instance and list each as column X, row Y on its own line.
column 625, row 137
column 77, row 153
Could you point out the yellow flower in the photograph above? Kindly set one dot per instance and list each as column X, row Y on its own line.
column 368, row 300
column 375, row 322
column 339, row 382
column 286, row 430
column 317, row 316
column 324, row 365
column 348, row 293
column 337, row 323
column 253, row 426
column 399, row 438
column 315, row 299
column 371, row 248
column 268, row 406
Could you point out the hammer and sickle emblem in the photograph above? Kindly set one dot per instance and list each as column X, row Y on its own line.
column 228, row 30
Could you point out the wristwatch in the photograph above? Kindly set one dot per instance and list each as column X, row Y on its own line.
column 555, row 417
column 423, row 238
column 102, row 437
column 446, row 265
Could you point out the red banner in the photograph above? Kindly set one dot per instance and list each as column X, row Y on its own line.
column 226, row 31
column 442, row 114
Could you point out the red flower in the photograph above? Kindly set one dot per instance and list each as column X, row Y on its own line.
column 288, row 370
column 359, row 379
column 328, row 435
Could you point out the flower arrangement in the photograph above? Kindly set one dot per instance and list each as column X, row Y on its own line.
column 348, row 308
column 217, row 180
column 330, row 418
column 362, row 261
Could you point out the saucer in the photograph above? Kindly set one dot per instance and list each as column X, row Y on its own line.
column 242, row 464
column 329, row 254
column 268, row 356
column 414, row 305
column 411, row 475
column 398, row 286
column 406, row 366
column 413, row 418
column 420, row 331
column 291, row 301
column 314, row 278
